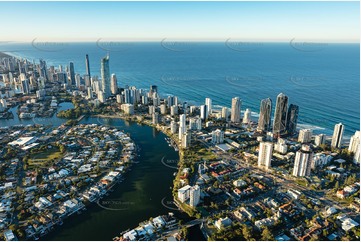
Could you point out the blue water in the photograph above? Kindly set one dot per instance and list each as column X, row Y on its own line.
column 322, row 80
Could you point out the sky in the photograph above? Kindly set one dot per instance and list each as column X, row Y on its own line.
column 198, row 21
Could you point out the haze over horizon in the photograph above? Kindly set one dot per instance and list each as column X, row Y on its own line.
column 333, row 22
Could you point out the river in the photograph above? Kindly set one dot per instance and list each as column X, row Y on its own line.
column 145, row 192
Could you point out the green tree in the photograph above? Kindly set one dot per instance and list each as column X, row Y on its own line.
column 267, row 235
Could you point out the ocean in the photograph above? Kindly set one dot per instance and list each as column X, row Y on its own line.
column 322, row 78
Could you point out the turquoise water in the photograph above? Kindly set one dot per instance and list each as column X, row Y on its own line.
column 323, row 79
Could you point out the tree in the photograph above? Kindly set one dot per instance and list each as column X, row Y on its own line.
column 267, row 235
column 247, row 232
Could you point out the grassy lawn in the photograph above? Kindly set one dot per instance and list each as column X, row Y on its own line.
column 43, row 157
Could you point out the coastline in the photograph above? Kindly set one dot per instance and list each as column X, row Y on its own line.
column 4, row 55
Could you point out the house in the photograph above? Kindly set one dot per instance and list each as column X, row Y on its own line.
column 9, row 235
column 223, row 223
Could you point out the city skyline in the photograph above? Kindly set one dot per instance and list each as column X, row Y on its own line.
column 149, row 21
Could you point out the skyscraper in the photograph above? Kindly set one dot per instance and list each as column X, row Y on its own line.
column 337, row 135
column 292, row 117
column 303, row 161
column 305, row 136
column 182, row 125
column 247, row 116
column 355, row 146
column 320, row 139
column 236, row 110
column 209, row 105
column 204, row 112
column 72, row 73
column 105, row 74
column 280, row 118
column 264, row 121
column 153, row 89
column 225, row 113
column 87, row 65
column 113, row 84
column 265, row 154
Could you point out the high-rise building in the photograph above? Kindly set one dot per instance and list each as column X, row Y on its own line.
column 163, row 109
column 303, row 161
column 280, row 118
column 305, row 136
column 72, row 73
column 225, row 113
column 173, row 127
column 204, row 112
column 194, row 195
column 25, row 86
column 281, row 146
column 105, row 74
column 264, row 121
column 236, row 110
column 265, row 154
column 113, row 84
column 247, row 116
column 354, row 142
column 182, row 125
column 292, row 117
column 87, row 66
column 208, row 103
column 128, row 108
column 337, row 135
column 320, row 139
column 155, row 118
column 153, row 89
column 174, row 110
column 195, row 123
column 354, row 146
column 186, row 140
column 217, row 136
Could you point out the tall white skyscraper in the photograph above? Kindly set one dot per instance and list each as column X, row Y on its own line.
column 247, row 116
column 236, row 110
column 355, row 146
column 113, row 84
column 305, row 136
column 209, row 105
column 182, row 125
column 354, row 142
column 337, row 135
column 265, row 154
column 105, row 73
column 194, row 195
column 225, row 113
column 303, row 161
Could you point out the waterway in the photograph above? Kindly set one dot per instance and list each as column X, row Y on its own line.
column 145, row 192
